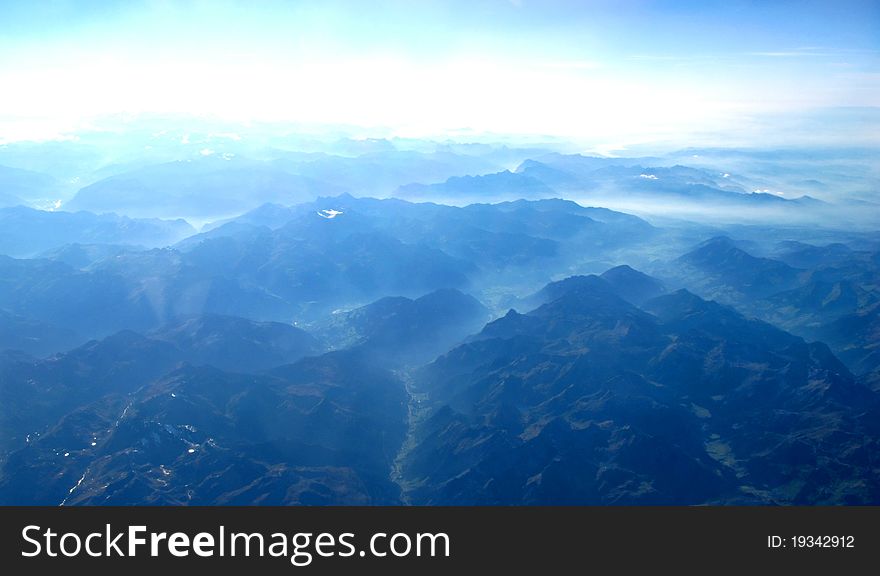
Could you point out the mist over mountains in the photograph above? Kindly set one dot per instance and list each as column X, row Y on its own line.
column 208, row 317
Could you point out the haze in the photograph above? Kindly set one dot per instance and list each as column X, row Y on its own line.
column 605, row 75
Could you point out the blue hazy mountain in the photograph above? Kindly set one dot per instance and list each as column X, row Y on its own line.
column 398, row 329
column 663, row 187
column 504, row 185
column 828, row 298
column 29, row 232
column 719, row 265
column 631, row 285
column 19, row 186
column 379, row 172
column 317, row 263
column 622, row 282
column 856, row 337
column 80, row 256
column 133, row 290
column 33, row 336
column 526, row 238
column 204, row 188
column 237, row 344
column 803, row 255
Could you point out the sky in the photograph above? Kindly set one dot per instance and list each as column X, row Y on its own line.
column 606, row 73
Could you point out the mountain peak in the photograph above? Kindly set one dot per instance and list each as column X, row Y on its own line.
column 632, row 285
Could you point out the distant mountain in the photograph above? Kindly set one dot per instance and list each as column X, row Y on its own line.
column 620, row 282
column 19, row 186
column 382, row 170
column 559, row 288
column 302, row 270
column 33, row 336
column 90, row 303
column 207, row 188
column 632, row 285
column 576, row 166
column 399, row 329
column 802, row 255
column 637, row 177
column 589, row 400
column 25, row 232
column 132, row 290
column 84, row 255
column 821, row 301
column 237, row 344
column 321, row 431
column 835, row 283
column 496, row 187
column 718, row 265
column 520, row 239
column 856, row 337
column 832, row 263
column 318, row 264
column 662, row 187
column 269, row 215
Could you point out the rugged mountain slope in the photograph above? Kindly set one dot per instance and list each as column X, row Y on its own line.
column 589, row 400
column 321, row 431
column 236, row 344
column 398, row 329
column 719, row 265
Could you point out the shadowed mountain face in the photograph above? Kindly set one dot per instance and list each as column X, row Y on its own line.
column 520, row 235
column 631, row 285
column 857, row 338
column 35, row 394
column 720, row 262
column 830, row 299
column 400, row 330
column 621, row 281
column 236, row 344
column 32, row 336
column 321, row 431
column 589, row 400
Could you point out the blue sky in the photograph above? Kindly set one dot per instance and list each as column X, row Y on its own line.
column 603, row 72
